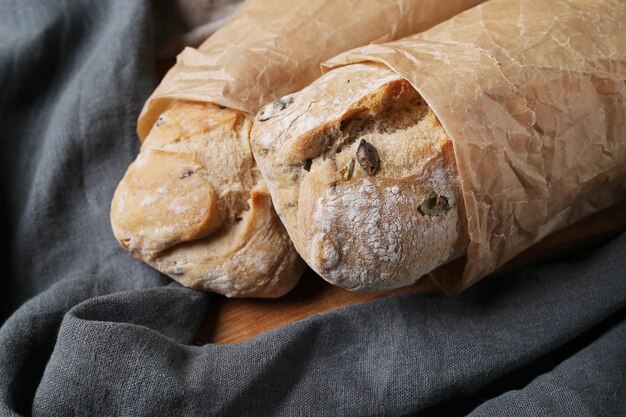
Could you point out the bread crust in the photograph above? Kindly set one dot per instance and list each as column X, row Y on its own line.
column 193, row 205
column 363, row 230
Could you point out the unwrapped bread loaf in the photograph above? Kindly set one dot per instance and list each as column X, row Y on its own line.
column 474, row 139
column 193, row 204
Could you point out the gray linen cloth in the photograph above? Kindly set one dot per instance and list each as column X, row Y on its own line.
column 89, row 331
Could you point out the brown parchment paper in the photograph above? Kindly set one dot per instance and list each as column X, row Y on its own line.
column 274, row 47
column 533, row 95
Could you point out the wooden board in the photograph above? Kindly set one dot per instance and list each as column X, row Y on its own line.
column 235, row 320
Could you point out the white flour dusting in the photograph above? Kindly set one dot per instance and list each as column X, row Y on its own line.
column 149, row 200
column 371, row 235
column 364, row 213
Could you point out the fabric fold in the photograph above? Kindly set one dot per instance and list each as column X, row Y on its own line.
column 401, row 355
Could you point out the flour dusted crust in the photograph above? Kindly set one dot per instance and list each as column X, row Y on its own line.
column 194, row 206
column 362, row 232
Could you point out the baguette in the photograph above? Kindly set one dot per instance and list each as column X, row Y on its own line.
column 474, row 139
column 363, row 176
column 193, row 205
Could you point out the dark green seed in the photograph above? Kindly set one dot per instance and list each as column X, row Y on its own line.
column 279, row 105
column 434, row 205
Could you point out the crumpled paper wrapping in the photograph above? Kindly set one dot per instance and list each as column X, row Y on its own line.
column 533, row 95
column 272, row 47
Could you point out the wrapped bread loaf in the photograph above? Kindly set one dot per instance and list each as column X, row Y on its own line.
column 193, row 204
column 472, row 140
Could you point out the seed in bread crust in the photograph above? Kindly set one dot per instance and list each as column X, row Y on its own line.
column 276, row 107
column 185, row 174
column 434, row 205
column 367, row 155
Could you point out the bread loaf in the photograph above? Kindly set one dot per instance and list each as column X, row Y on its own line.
column 363, row 176
column 193, row 205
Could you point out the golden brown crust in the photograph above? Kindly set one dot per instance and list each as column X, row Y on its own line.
column 156, row 219
column 193, row 206
column 364, row 179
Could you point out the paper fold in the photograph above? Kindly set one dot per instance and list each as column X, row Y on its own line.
column 533, row 95
column 270, row 48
